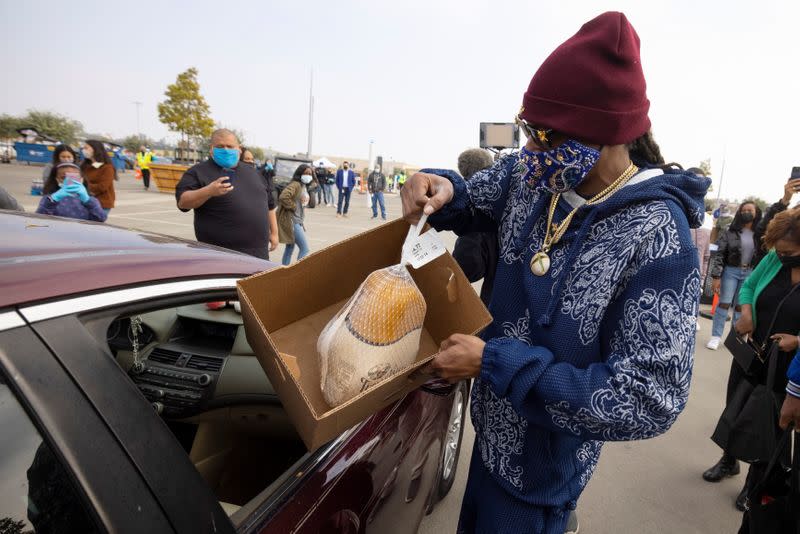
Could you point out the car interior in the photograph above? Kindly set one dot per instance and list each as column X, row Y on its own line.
column 193, row 363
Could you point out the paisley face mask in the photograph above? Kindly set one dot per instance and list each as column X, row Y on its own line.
column 560, row 169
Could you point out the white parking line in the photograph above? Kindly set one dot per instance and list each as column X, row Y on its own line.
column 113, row 217
column 141, row 201
column 137, row 213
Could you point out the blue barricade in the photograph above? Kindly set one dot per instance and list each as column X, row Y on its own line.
column 34, row 152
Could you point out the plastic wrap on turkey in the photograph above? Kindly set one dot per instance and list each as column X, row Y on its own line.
column 375, row 335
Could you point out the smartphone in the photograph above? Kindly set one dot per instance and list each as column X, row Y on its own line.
column 795, row 173
column 72, row 179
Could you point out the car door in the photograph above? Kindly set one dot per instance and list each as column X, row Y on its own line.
column 59, row 464
column 380, row 478
column 187, row 501
column 380, row 470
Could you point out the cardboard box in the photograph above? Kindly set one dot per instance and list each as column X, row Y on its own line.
column 285, row 309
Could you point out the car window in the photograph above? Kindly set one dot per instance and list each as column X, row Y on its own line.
column 193, row 363
column 36, row 494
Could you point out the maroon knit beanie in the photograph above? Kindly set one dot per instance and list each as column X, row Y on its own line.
column 592, row 87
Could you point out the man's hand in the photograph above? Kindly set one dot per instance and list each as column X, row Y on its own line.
column 220, row 186
column 424, row 193
column 460, row 358
column 790, row 412
column 791, row 187
column 715, row 285
column 273, row 241
column 786, row 342
column 195, row 198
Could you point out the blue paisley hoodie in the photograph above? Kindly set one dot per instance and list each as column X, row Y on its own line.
column 600, row 347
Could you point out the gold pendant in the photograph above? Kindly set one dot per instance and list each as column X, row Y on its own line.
column 540, row 263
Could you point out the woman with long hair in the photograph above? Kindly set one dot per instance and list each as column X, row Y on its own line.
column 248, row 158
column 291, row 212
column 61, row 154
column 732, row 264
column 99, row 173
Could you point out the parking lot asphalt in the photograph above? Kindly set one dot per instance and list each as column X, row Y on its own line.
column 643, row 487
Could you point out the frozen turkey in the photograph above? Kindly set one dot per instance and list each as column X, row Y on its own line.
column 376, row 334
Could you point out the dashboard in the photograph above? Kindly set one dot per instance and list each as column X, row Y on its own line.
column 190, row 359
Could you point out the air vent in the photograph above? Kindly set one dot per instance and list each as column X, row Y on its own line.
column 205, row 363
column 168, row 357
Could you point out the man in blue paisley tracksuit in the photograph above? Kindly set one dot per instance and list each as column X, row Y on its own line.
column 594, row 317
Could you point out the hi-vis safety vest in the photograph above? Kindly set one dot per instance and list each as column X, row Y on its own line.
column 144, row 159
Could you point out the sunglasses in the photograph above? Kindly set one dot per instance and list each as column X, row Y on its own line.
column 540, row 136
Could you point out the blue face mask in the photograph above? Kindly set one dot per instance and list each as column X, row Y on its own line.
column 227, row 158
column 559, row 170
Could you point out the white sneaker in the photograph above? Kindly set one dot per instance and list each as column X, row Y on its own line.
column 713, row 343
column 698, row 326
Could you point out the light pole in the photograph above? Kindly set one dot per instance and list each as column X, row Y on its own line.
column 722, row 173
column 138, row 128
column 310, row 114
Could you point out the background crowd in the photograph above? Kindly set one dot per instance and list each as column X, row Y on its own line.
column 755, row 273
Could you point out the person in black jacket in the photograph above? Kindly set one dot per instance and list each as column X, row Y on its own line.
column 731, row 264
column 791, row 187
column 376, row 185
column 477, row 252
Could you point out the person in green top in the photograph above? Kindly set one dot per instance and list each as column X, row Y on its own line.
column 760, row 297
column 783, row 233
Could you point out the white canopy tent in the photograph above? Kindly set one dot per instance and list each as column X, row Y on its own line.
column 325, row 162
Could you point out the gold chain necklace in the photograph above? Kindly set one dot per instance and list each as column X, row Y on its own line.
column 540, row 263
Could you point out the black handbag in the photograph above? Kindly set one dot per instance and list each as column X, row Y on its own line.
column 773, row 504
column 747, row 428
column 747, row 353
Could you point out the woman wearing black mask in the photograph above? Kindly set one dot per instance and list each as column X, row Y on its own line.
column 293, row 201
column 247, row 157
column 760, row 296
column 731, row 265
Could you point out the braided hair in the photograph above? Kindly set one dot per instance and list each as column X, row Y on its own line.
column 645, row 152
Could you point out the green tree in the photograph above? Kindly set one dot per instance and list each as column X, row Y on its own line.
column 185, row 110
column 99, row 137
column 705, row 166
column 9, row 125
column 53, row 125
column 133, row 142
column 258, row 152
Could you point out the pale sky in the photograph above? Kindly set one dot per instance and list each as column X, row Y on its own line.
column 416, row 76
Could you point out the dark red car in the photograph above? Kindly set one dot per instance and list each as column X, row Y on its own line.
column 127, row 404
